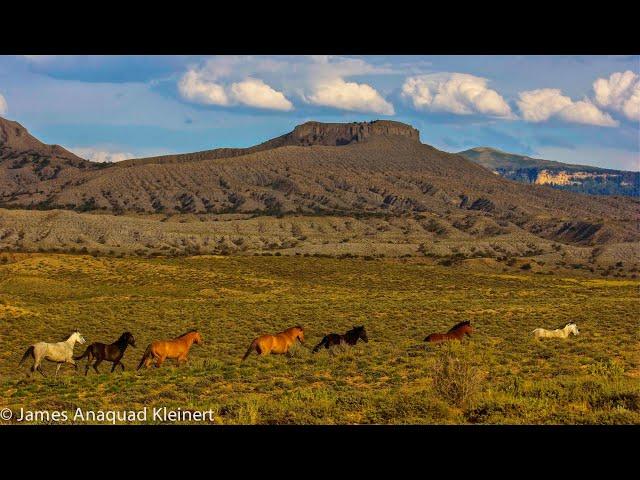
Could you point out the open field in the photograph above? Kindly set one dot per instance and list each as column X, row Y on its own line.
column 591, row 378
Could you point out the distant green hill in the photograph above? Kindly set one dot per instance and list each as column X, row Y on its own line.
column 564, row 176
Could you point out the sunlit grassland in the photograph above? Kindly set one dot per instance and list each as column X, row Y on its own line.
column 592, row 378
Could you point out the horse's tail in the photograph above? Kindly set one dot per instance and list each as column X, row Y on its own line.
column 319, row 346
column 251, row 348
column 28, row 353
column 146, row 354
column 88, row 351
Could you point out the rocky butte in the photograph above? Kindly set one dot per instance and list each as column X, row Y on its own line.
column 336, row 134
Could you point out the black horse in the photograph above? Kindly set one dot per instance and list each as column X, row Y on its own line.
column 349, row 338
column 111, row 353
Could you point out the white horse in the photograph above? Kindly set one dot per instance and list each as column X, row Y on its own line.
column 61, row 352
column 558, row 332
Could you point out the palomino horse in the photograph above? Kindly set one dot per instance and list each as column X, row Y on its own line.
column 280, row 343
column 457, row 332
column 60, row 352
column 111, row 353
column 349, row 338
column 557, row 333
column 177, row 348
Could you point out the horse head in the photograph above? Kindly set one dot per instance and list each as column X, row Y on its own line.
column 76, row 336
column 197, row 338
column 361, row 333
column 573, row 328
column 468, row 329
column 299, row 333
column 130, row 339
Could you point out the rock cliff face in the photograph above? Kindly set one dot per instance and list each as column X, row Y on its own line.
column 562, row 177
column 337, row 134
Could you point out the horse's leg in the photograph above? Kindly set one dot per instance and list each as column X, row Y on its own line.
column 115, row 363
column 41, row 371
column 58, row 369
column 121, row 364
column 36, row 364
column 159, row 361
column 95, row 365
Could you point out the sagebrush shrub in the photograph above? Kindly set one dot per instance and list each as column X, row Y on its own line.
column 456, row 376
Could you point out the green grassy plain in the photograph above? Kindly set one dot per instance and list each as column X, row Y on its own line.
column 592, row 378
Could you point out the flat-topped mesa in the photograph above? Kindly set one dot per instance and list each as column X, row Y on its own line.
column 336, row 134
column 305, row 135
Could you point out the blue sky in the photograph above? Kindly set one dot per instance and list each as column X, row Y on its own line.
column 576, row 109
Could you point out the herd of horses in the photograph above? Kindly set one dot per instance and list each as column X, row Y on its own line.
column 178, row 348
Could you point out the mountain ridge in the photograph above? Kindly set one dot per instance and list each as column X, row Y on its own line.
column 348, row 170
column 573, row 177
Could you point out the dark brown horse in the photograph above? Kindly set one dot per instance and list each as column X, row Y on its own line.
column 457, row 332
column 349, row 338
column 111, row 353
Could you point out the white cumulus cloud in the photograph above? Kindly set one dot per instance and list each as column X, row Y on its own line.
column 255, row 93
column 100, row 155
column 4, row 108
column 620, row 93
column 542, row 104
column 359, row 97
column 194, row 87
column 206, row 86
column 458, row 93
column 272, row 82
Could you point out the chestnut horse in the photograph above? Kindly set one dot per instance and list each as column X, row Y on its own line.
column 110, row 352
column 177, row 348
column 457, row 332
column 280, row 343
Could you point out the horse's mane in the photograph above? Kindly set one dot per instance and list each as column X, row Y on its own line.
column 458, row 325
column 187, row 333
column 67, row 337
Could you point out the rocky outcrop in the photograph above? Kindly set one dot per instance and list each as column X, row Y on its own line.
column 337, row 134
